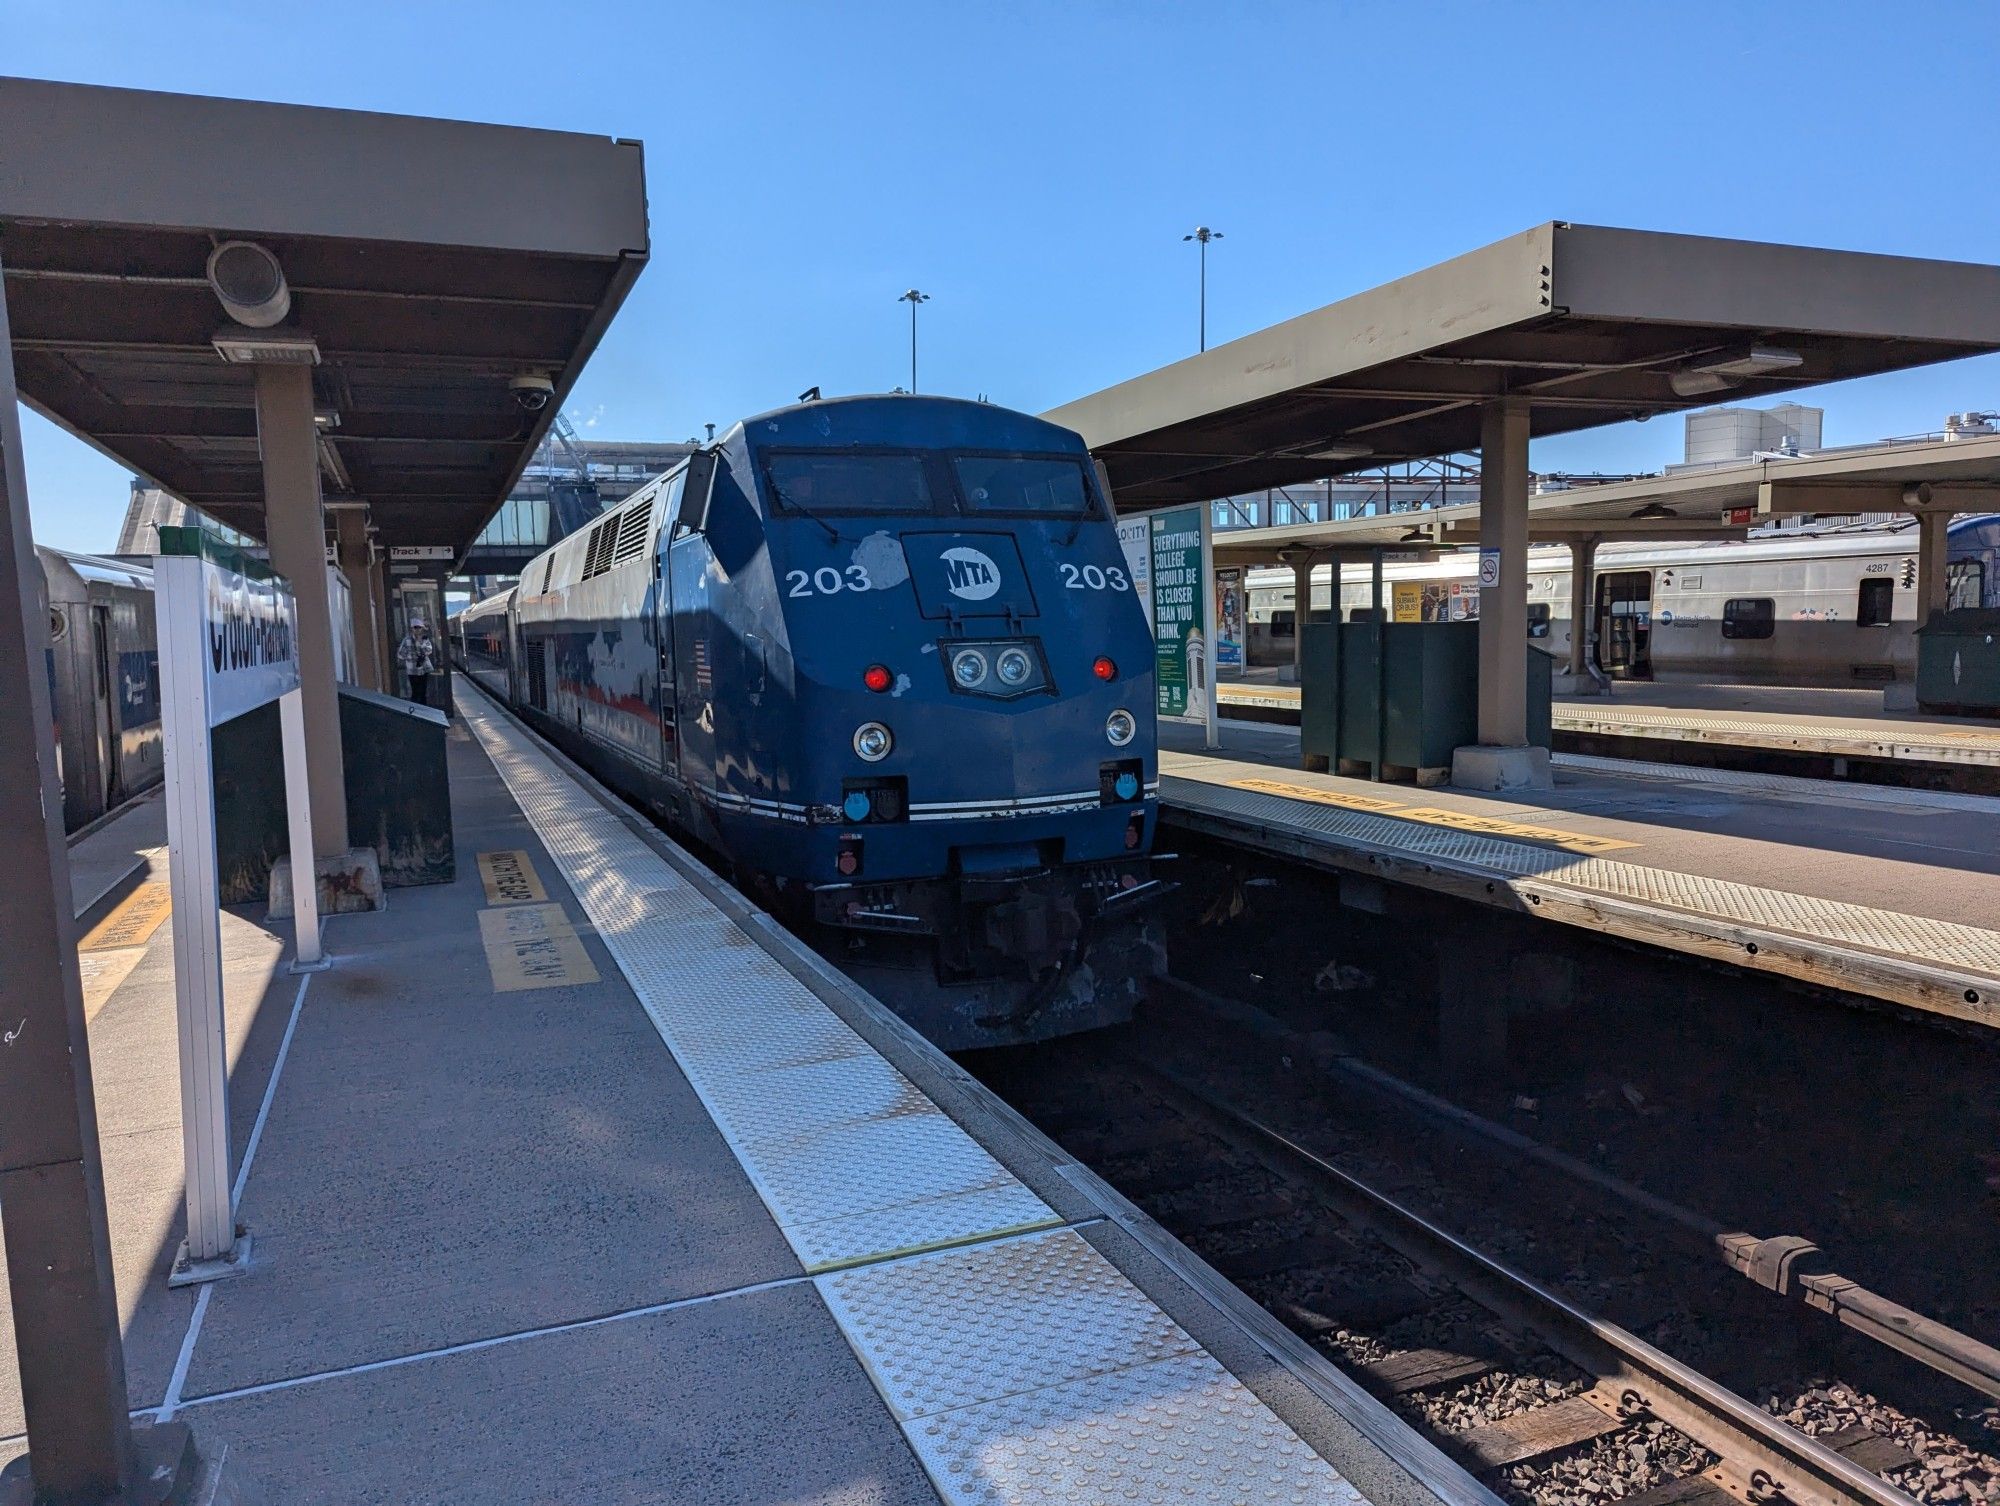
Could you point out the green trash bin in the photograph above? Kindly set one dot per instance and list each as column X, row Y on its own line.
column 1958, row 662
column 1393, row 700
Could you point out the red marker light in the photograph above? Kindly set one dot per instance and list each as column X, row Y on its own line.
column 877, row 678
column 1103, row 668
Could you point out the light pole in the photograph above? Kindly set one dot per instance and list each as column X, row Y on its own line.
column 913, row 298
column 1203, row 234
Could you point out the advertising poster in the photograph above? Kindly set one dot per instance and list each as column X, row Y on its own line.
column 1135, row 537
column 1406, row 601
column 1229, row 619
column 1180, row 668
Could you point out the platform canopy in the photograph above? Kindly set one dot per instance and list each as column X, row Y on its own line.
column 1591, row 325
column 1947, row 476
column 430, row 265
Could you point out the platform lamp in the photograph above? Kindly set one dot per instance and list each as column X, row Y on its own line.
column 913, row 298
column 1204, row 235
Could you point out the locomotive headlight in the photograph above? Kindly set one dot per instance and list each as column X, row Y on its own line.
column 1013, row 666
column 1119, row 728
column 873, row 742
column 968, row 668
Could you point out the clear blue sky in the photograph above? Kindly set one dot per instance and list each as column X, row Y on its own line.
column 1033, row 166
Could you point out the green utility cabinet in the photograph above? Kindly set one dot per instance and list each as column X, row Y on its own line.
column 1958, row 662
column 398, row 796
column 1392, row 700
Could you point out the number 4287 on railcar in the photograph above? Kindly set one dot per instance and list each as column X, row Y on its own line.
column 883, row 657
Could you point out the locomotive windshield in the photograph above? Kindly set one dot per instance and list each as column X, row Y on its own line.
column 823, row 483
column 814, row 483
column 1051, row 486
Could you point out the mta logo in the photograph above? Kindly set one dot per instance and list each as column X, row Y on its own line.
column 969, row 574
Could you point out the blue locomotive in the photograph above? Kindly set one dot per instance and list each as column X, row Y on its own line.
column 881, row 655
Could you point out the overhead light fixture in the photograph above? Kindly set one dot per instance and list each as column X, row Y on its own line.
column 251, row 347
column 249, row 283
column 1338, row 450
column 326, row 418
column 1718, row 373
column 1654, row 510
column 1416, row 536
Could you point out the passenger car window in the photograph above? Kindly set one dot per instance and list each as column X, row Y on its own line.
column 1748, row 617
column 1538, row 619
column 1050, row 486
column 825, row 482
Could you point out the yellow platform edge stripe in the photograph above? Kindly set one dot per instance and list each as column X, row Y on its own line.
column 1492, row 826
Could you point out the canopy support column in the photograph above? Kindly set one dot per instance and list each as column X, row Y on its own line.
column 351, row 526
column 1932, row 591
column 1577, row 678
column 1302, row 591
column 67, row 1338
column 1503, row 758
column 295, row 528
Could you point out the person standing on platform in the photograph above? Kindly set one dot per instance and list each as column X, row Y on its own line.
column 418, row 655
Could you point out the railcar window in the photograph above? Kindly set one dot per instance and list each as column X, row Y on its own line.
column 829, row 483
column 1538, row 619
column 1051, row 487
column 1748, row 617
column 1876, row 605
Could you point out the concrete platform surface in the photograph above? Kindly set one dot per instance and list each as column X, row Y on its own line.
column 1849, row 723
column 103, row 859
column 577, row 1179
column 1888, row 892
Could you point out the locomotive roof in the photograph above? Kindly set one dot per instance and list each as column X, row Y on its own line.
column 906, row 422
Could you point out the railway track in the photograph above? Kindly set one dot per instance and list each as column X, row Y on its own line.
column 1547, row 1401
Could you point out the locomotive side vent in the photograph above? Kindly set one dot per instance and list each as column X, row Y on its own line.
column 635, row 525
column 597, row 559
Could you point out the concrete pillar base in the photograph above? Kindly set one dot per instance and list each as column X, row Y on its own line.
column 166, row 1471
column 1476, row 767
column 1562, row 682
column 1899, row 695
column 1288, row 674
column 348, row 882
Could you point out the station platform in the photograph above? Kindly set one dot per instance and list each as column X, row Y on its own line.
column 1782, row 721
column 1886, row 893
column 578, row 1179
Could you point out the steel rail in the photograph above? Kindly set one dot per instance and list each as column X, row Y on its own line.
column 1772, row 1461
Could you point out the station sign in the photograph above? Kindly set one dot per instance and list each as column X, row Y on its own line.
column 438, row 553
column 228, row 630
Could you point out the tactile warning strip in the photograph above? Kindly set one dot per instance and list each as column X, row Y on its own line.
column 1022, row 1366
column 1937, row 942
column 1031, row 1370
column 852, row 1160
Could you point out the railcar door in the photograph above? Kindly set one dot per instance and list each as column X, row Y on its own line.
column 1625, row 624
column 687, row 717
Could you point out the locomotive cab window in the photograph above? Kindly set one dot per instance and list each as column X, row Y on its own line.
column 1748, row 617
column 1047, row 486
column 1876, row 605
column 1965, row 584
column 817, row 482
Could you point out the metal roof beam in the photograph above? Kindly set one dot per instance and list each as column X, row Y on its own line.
column 1791, row 498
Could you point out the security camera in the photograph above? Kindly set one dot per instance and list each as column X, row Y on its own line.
column 531, row 391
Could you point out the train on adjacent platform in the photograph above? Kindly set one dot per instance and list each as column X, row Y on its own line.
column 1832, row 603
column 104, row 681
column 881, row 657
